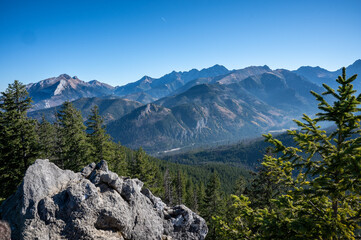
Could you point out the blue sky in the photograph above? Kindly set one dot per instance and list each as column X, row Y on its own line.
column 120, row 41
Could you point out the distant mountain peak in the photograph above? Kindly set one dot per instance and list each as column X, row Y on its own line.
column 145, row 78
column 357, row 62
column 94, row 82
column 218, row 66
column 64, row 76
column 266, row 67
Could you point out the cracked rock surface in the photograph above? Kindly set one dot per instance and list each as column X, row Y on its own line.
column 96, row 203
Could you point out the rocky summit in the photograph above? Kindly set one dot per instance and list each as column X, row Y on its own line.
column 96, row 203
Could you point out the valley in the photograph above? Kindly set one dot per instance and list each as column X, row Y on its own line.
column 190, row 109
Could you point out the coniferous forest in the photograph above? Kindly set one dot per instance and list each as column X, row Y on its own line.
column 309, row 189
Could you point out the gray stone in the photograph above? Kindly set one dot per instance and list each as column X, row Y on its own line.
column 5, row 232
column 95, row 204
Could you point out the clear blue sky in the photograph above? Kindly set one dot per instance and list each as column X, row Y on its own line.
column 120, row 41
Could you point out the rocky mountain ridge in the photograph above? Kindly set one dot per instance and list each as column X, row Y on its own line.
column 320, row 75
column 96, row 203
column 234, row 105
column 54, row 91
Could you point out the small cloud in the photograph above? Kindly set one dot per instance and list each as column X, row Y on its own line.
column 163, row 19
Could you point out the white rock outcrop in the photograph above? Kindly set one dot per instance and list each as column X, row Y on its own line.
column 96, row 203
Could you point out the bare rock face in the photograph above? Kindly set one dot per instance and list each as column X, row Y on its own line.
column 96, row 203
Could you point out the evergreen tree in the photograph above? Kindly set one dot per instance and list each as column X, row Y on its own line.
column 212, row 204
column 47, row 139
column 98, row 138
column 143, row 169
column 191, row 200
column 180, row 188
column 322, row 175
column 18, row 140
column 118, row 162
column 264, row 186
column 240, row 186
column 201, row 193
column 73, row 147
column 168, row 188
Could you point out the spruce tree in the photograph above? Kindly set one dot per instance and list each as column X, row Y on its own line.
column 168, row 188
column 322, row 175
column 18, row 140
column 240, row 186
column 201, row 193
column 118, row 162
column 180, row 187
column 212, row 204
column 191, row 200
column 143, row 169
column 73, row 148
column 47, row 139
column 101, row 145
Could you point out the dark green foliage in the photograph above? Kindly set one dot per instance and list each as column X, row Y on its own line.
column 99, row 140
column 240, row 186
column 73, row 147
column 145, row 170
column 180, row 188
column 245, row 154
column 212, row 204
column 47, row 139
column 191, row 198
column 118, row 162
column 320, row 176
column 263, row 187
column 18, row 140
column 168, row 196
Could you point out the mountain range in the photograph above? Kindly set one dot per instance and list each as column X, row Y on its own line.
column 196, row 107
column 320, row 75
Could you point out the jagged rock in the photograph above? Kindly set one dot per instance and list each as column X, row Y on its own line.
column 94, row 204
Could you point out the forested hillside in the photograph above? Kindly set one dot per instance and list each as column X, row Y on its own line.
column 307, row 186
column 71, row 144
column 246, row 154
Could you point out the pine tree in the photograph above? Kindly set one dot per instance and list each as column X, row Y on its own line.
column 73, row 149
column 18, row 140
column 98, row 138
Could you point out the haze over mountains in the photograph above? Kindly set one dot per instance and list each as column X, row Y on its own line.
column 193, row 107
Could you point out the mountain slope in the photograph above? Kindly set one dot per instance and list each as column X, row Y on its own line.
column 109, row 108
column 234, row 107
column 203, row 114
column 284, row 90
